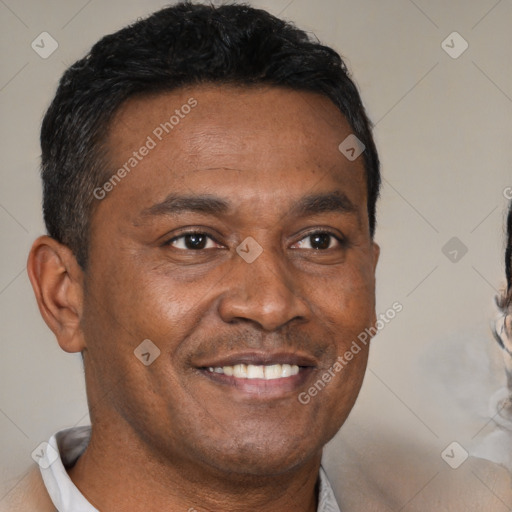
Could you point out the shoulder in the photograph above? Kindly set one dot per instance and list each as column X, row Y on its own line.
column 28, row 495
column 390, row 475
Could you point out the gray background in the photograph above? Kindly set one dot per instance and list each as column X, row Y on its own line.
column 443, row 127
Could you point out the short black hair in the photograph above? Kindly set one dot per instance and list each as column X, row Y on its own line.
column 182, row 45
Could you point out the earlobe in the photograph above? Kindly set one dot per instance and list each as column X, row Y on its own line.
column 57, row 280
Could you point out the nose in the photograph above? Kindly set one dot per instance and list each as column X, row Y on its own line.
column 265, row 292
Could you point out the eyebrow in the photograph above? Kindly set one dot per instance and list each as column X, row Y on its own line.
column 334, row 202
column 174, row 204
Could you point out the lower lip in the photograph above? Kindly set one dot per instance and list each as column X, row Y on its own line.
column 262, row 388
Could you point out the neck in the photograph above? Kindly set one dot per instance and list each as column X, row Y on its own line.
column 118, row 472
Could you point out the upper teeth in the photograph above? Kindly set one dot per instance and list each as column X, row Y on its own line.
column 251, row 371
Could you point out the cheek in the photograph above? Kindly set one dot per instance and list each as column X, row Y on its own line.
column 345, row 299
column 336, row 400
column 146, row 305
column 359, row 290
column 137, row 301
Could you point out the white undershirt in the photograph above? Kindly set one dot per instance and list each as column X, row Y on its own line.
column 66, row 446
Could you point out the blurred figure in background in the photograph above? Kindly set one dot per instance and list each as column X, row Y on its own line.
column 497, row 446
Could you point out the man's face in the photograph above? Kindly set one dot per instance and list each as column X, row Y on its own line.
column 164, row 266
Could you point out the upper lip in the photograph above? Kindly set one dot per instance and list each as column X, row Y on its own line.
column 260, row 359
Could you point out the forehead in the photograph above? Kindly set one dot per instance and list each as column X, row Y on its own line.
column 247, row 140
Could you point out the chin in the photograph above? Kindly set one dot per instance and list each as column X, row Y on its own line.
column 267, row 457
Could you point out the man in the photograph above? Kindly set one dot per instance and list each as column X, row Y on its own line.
column 210, row 181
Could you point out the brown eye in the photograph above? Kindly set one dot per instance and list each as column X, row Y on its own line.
column 319, row 241
column 193, row 242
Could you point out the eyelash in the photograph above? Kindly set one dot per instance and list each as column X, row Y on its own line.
column 191, row 232
column 341, row 241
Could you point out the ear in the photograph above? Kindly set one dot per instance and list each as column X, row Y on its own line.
column 57, row 280
column 376, row 254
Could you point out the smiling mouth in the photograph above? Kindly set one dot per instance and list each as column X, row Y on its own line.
column 260, row 376
column 252, row 371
